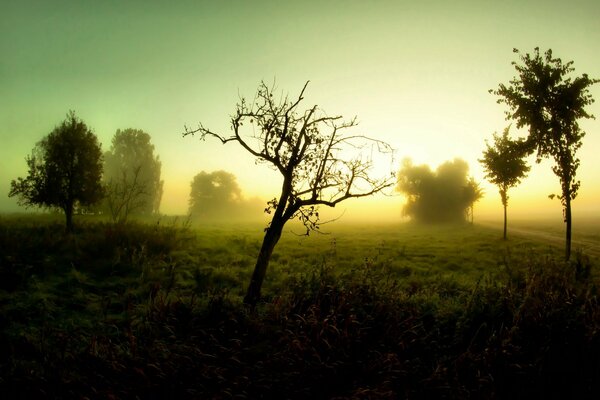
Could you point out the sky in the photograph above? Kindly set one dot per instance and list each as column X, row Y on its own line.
column 415, row 74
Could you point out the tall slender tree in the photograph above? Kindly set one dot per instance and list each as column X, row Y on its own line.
column 504, row 164
column 320, row 164
column 550, row 102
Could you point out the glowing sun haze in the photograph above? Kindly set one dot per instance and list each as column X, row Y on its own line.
column 416, row 74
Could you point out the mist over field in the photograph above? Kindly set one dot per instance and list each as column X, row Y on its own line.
column 299, row 200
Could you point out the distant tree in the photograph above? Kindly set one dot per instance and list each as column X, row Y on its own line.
column 132, row 175
column 472, row 193
column 436, row 196
column 64, row 170
column 548, row 101
column 319, row 163
column 505, row 166
column 214, row 195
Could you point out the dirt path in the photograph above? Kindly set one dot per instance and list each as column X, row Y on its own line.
column 589, row 246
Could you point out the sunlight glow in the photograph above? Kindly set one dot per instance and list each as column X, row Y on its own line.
column 416, row 77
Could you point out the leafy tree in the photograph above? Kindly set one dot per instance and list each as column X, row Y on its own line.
column 214, row 194
column 504, row 165
column 439, row 196
column 64, row 170
column 472, row 193
column 132, row 175
column 546, row 99
column 319, row 162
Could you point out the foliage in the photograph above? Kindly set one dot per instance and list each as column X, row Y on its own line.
column 132, row 176
column 216, row 196
column 311, row 151
column 546, row 99
column 504, row 165
column 472, row 193
column 444, row 195
column 64, row 170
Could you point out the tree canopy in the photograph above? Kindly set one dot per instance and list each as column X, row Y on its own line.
column 546, row 99
column 320, row 163
column 216, row 196
column 504, row 165
column 132, row 175
column 439, row 196
column 64, row 170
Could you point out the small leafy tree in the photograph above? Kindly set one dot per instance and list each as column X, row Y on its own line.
column 64, row 170
column 214, row 194
column 505, row 166
column 132, row 175
column 320, row 164
column 472, row 194
column 546, row 99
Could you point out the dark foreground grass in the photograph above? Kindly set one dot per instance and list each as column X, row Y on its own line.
column 154, row 311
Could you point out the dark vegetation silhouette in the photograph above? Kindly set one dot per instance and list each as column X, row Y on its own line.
column 217, row 197
column 505, row 166
column 545, row 98
column 154, row 311
column 446, row 195
column 131, row 176
column 64, row 170
column 310, row 151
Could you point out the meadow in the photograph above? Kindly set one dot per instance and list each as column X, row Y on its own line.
column 154, row 310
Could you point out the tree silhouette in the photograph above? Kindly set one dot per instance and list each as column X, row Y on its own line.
column 214, row 195
column 440, row 196
column 319, row 162
column 472, row 193
column 505, row 166
column 548, row 101
column 64, row 170
column 132, row 175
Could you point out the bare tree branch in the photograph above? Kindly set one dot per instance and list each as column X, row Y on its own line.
column 310, row 150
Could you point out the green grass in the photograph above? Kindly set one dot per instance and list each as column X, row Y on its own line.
column 390, row 311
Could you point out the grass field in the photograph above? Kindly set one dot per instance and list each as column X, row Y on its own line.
column 382, row 311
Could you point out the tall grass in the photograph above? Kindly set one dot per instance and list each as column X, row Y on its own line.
column 155, row 311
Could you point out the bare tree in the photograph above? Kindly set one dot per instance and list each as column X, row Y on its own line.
column 320, row 163
column 126, row 195
column 131, row 176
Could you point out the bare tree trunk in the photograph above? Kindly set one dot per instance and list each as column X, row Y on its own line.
column 262, row 262
column 568, row 221
column 504, row 197
column 504, row 237
column 69, row 218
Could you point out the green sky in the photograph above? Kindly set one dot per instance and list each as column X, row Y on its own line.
column 415, row 73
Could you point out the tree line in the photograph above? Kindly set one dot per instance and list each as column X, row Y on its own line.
column 67, row 170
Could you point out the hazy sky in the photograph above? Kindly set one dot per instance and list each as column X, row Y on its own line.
column 415, row 73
